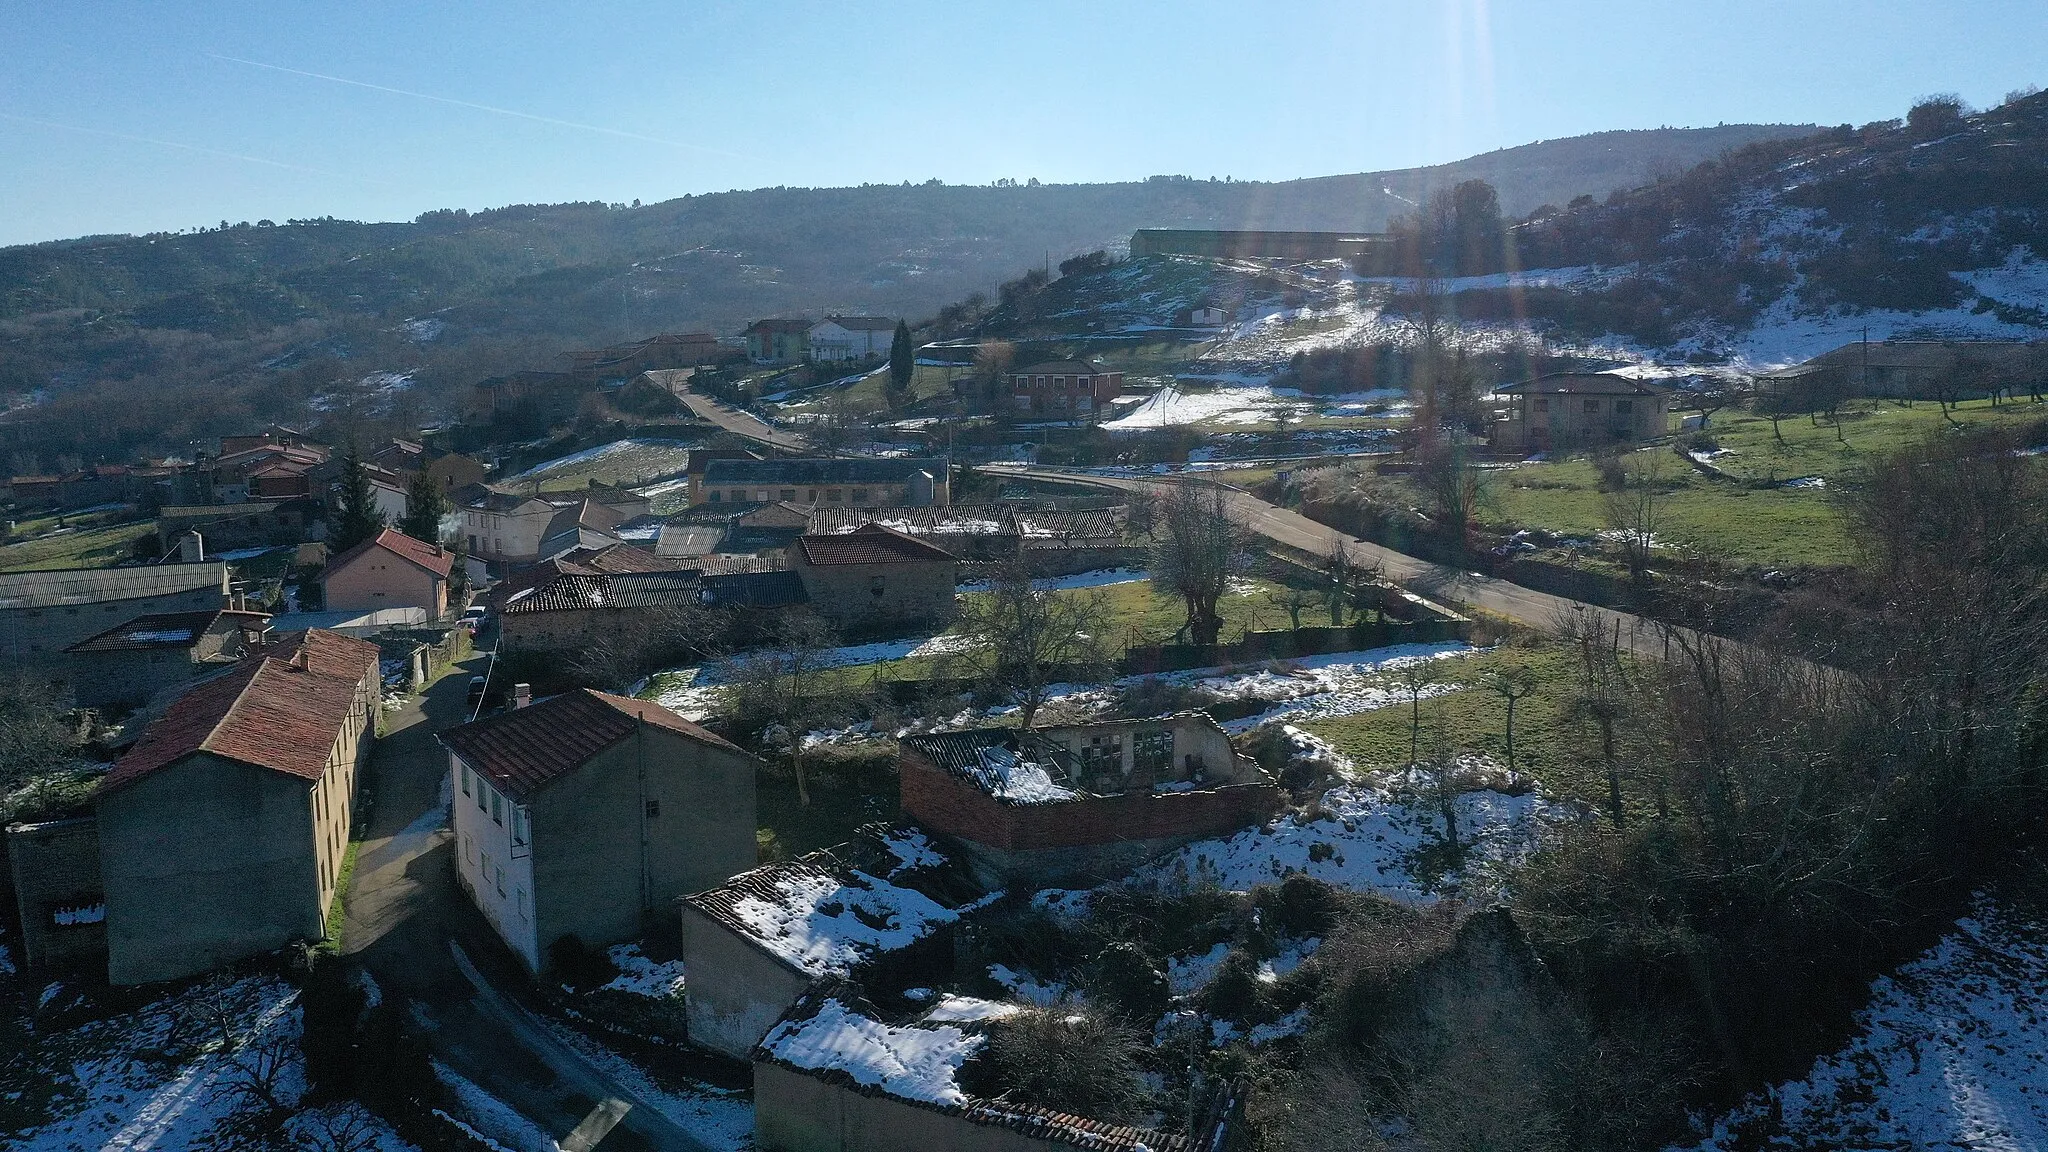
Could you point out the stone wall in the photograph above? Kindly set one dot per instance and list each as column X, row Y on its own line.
column 56, row 873
column 737, row 992
column 799, row 1112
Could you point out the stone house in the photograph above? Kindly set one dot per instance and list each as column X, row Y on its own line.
column 1902, row 368
column 840, row 338
column 879, row 482
column 578, row 815
column 509, row 528
column 248, row 524
column 43, row 613
column 1567, row 410
column 756, row 943
column 875, row 576
column 389, row 570
column 1064, row 389
column 778, row 341
column 221, row 832
column 1080, row 803
column 571, row 611
column 407, row 458
column 134, row 660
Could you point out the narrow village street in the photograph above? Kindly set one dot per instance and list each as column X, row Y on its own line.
column 408, row 923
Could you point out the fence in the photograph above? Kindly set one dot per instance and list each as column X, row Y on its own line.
column 1290, row 644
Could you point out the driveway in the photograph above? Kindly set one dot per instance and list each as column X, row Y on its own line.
column 1525, row 606
column 411, row 927
column 744, row 424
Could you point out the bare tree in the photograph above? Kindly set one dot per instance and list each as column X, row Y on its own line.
column 1416, row 678
column 1030, row 638
column 1602, row 697
column 1711, row 399
column 1455, row 488
column 1634, row 506
column 1200, row 547
column 1294, row 600
column 1512, row 685
column 343, row 1128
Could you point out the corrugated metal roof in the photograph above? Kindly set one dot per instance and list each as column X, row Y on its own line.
column 959, row 755
column 573, row 591
column 521, row 751
column 94, row 585
column 755, row 589
column 164, row 630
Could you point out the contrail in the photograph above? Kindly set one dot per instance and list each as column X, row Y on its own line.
column 482, row 107
column 191, row 148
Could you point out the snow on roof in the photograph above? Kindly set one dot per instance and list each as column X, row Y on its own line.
column 822, row 925
column 953, row 1008
column 1011, row 777
column 916, row 1063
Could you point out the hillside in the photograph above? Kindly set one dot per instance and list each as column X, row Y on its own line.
column 107, row 334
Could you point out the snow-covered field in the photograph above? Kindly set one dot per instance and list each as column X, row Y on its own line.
column 1951, row 1052
column 1366, row 838
column 158, row 1078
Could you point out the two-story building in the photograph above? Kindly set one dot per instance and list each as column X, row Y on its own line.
column 841, row 338
column 1568, row 410
column 1064, row 389
column 579, row 815
column 778, row 341
column 43, row 613
column 222, row 831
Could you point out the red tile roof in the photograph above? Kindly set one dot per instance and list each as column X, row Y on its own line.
column 273, row 713
column 324, row 652
column 432, row 557
column 521, row 751
column 872, row 544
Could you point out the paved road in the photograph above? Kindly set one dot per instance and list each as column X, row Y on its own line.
column 744, row 424
column 1525, row 606
column 410, row 925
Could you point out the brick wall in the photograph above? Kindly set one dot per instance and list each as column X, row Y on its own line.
column 946, row 805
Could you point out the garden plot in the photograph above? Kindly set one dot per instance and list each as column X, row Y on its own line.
column 159, row 1077
column 1338, row 684
column 1365, row 838
column 694, row 691
column 1952, row 1053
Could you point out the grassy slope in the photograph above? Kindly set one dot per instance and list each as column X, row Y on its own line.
column 1746, row 525
column 82, row 548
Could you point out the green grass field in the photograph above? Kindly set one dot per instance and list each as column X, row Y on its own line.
column 77, row 548
column 1724, row 518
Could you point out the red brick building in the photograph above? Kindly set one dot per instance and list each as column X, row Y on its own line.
column 1082, row 803
column 1064, row 389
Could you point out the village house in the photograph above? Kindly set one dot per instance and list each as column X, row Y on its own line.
column 512, row 529
column 539, row 398
column 43, row 613
column 408, row 458
column 778, row 341
column 887, row 482
column 841, row 338
column 389, row 570
column 570, row 612
column 756, row 942
column 1567, row 410
column 129, row 663
column 837, row 1075
column 875, row 577
column 221, row 832
column 585, row 524
column 246, row 524
column 577, row 816
column 263, row 471
column 1055, row 542
column 1064, row 389
column 1080, row 803
column 58, row 897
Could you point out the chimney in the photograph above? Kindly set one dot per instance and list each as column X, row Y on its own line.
column 191, row 548
column 522, row 695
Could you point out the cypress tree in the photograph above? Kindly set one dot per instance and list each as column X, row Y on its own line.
column 902, row 358
column 358, row 516
column 424, row 508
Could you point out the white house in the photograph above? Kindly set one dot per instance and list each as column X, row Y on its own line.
column 851, row 337
column 584, row 814
column 1208, row 316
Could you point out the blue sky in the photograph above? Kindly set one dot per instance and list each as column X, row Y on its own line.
column 130, row 117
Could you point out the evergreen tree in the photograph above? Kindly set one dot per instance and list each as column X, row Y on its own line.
column 424, row 508
column 902, row 358
column 358, row 517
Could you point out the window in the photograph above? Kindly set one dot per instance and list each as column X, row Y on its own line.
column 832, row 495
column 811, row 495
column 875, row 586
column 465, row 779
column 500, row 879
column 497, row 809
column 654, row 809
column 1152, row 751
column 788, row 494
column 522, row 903
column 1543, row 403
column 860, row 495
column 480, row 805
column 1624, row 407
column 717, row 496
column 1592, row 403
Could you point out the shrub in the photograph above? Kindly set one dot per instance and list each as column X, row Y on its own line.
column 1075, row 1062
column 1130, row 980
